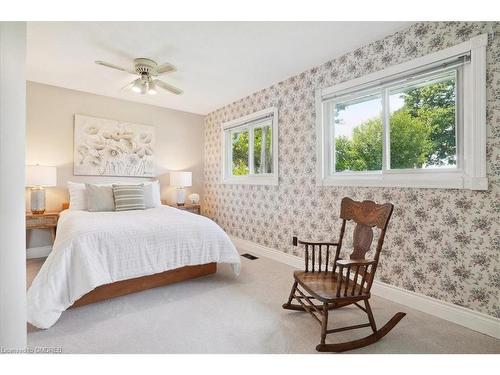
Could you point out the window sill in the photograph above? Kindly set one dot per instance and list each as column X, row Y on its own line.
column 251, row 180
column 434, row 180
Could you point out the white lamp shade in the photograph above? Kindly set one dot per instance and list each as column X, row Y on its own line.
column 39, row 175
column 180, row 178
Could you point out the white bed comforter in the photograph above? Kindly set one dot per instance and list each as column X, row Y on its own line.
column 96, row 248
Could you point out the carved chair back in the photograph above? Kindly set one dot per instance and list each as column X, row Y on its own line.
column 366, row 215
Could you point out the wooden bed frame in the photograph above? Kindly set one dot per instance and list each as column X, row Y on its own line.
column 123, row 287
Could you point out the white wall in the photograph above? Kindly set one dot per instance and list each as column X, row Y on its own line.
column 49, row 139
column 12, row 138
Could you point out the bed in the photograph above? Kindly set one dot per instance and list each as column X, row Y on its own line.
column 99, row 255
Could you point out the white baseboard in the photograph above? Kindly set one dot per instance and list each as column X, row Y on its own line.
column 460, row 315
column 463, row 316
column 38, row 252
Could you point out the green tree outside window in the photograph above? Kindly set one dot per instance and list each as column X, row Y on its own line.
column 422, row 133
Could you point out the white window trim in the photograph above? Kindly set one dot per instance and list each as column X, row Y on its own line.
column 251, row 179
column 471, row 176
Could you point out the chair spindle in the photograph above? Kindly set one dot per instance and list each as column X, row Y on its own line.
column 307, row 258
column 347, row 279
column 339, row 282
column 319, row 258
column 327, row 258
column 355, row 281
column 313, row 256
column 363, row 279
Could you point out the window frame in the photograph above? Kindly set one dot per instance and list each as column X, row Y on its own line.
column 250, row 122
column 383, row 92
column 470, row 172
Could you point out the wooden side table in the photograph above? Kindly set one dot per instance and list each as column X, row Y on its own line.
column 47, row 220
column 194, row 208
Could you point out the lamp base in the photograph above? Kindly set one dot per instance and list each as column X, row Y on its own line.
column 181, row 196
column 37, row 200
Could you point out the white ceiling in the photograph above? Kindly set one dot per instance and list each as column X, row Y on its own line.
column 217, row 62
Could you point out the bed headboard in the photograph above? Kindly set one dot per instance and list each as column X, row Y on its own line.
column 65, row 205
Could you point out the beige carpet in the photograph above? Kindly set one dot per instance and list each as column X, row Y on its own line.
column 227, row 314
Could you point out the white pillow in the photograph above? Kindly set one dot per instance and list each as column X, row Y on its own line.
column 156, row 193
column 77, row 196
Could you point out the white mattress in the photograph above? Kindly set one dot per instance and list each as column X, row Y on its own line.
column 97, row 248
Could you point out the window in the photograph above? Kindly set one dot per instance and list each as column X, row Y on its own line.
column 250, row 146
column 421, row 125
column 422, row 122
column 408, row 125
column 239, row 152
column 358, row 134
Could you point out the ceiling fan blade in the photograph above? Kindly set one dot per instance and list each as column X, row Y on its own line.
column 166, row 86
column 165, row 68
column 113, row 66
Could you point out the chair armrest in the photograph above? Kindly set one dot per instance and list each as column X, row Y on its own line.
column 296, row 241
column 354, row 262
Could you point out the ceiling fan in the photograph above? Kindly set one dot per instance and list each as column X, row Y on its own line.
column 147, row 70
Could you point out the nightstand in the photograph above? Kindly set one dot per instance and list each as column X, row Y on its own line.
column 194, row 208
column 47, row 220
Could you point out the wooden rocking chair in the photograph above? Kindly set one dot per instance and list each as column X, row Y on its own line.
column 349, row 281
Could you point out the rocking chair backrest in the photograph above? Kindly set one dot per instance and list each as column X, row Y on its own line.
column 366, row 215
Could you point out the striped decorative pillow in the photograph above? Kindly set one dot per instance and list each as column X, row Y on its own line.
column 129, row 197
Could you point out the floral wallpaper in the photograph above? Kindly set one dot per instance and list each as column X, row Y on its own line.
column 441, row 243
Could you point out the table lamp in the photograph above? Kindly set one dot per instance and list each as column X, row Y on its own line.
column 180, row 180
column 37, row 178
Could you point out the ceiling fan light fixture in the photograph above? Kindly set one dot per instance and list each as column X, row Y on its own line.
column 137, row 86
column 140, row 86
column 152, row 88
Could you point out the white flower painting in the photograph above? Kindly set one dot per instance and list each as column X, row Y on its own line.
column 113, row 148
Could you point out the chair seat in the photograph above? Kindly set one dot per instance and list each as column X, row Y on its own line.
column 323, row 286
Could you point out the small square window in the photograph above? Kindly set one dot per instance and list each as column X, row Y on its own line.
column 249, row 149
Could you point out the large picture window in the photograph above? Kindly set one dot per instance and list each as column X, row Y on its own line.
column 250, row 149
column 420, row 123
column 408, row 125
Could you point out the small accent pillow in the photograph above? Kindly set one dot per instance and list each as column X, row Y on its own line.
column 155, row 189
column 77, row 196
column 129, row 197
column 152, row 194
column 100, row 198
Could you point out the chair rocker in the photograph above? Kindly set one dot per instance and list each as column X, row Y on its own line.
column 343, row 282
